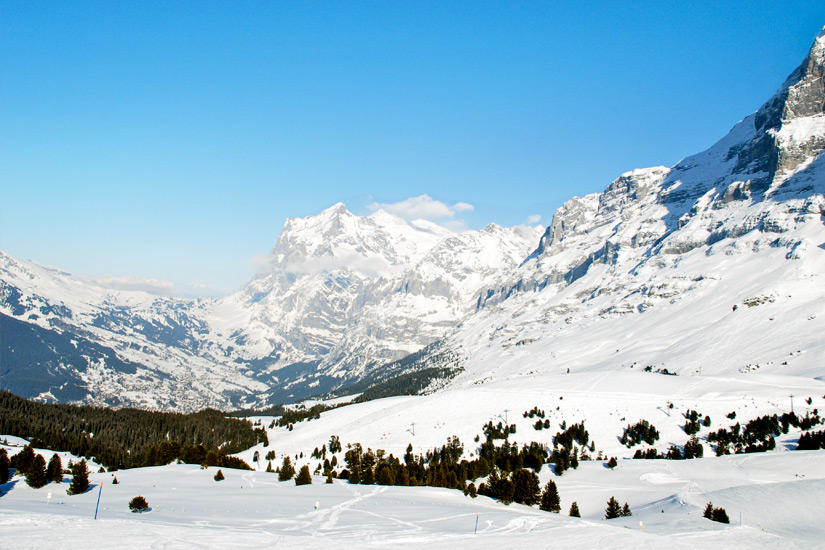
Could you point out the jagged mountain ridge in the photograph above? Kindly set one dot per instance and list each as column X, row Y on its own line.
column 267, row 341
column 668, row 268
column 652, row 272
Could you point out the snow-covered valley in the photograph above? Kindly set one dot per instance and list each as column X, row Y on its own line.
column 777, row 494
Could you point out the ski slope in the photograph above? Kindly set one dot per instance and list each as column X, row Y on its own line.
column 777, row 495
column 253, row 510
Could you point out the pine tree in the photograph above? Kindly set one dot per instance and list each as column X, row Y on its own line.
column 613, row 509
column 550, row 498
column 55, row 469
column 4, row 466
column 36, row 475
column 612, row 463
column 287, row 470
column 574, row 510
column 80, row 478
column 720, row 515
column 219, row 476
column 22, row 460
column 115, row 481
column 138, row 504
column 526, row 487
column 329, row 477
column 304, row 477
column 708, row 513
column 626, row 511
column 269, row 467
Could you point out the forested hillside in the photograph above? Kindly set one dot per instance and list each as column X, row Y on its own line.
column 127, row 438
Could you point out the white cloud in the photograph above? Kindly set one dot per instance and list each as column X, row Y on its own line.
column 423, row 207
column 535, row 218
column 152, row 286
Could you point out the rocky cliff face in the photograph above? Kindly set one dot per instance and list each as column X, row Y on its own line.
column 740, row 223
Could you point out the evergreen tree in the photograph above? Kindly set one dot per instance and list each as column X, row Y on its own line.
column 612, row 463
column 367, row 463
column 36, row 475
column 353, row 460
column 269, row 467
column 626, row 511
column 80, row 478
column 613, row 509
column 4, row 466
column 526, row 487
column 138, row 505
column 115, row 481
column 574, row 510
column 22, row 460
column 693, row 449
column 329, row 477
column 708, row 513
column 304, row 477
column 287, row 470
column 219, row 476
column 550, row 498
column 55, row 469
column 720, row 515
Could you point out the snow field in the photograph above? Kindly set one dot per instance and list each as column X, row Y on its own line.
column 253, row 510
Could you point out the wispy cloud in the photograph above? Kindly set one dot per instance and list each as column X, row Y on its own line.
column 424, row 207
column 152, row 286
column 535, row 218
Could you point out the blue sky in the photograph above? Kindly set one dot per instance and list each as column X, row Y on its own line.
column 171, row 140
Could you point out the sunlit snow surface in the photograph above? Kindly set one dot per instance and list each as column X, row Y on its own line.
column 778, row 494
column 253, row 510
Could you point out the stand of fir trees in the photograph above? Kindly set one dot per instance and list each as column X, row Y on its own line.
column 128, row 438
column 718, row 515
column 613, row 509
column 510, row 470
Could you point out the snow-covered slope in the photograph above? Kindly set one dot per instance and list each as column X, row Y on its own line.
column 715, row 265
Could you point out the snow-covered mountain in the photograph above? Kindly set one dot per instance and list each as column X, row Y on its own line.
column 714, row 265
column 371, row 288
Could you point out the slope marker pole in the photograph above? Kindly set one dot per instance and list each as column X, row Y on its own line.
column 98, row 498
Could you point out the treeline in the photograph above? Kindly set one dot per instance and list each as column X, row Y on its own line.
column 509, row 468
column 126, row 438
column 759, row 434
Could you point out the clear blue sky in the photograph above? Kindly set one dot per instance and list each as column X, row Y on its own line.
column 172, row 139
